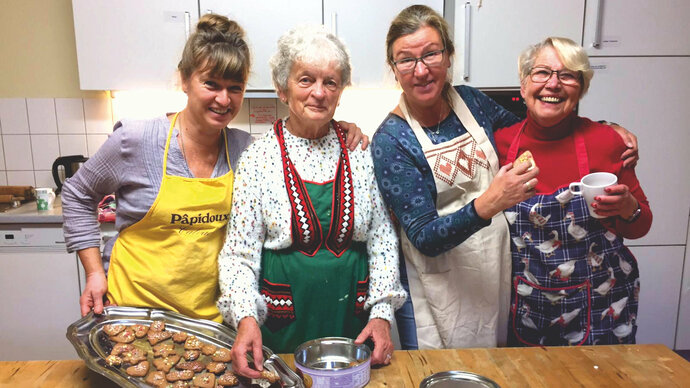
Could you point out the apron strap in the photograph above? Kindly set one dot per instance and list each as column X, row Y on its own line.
column 580, row 149
column 167, row 145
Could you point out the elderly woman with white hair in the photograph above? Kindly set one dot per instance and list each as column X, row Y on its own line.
column 574, row 282
column 310, row 250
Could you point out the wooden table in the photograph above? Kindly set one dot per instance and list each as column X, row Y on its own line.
column 587, row 366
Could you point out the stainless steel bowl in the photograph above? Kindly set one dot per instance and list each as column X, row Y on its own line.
column 457, row 379
column 334, row 362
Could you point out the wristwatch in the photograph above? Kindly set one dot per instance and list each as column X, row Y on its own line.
column 635, row 215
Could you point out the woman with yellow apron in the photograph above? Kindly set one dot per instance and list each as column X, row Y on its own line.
column 168, row 259
column 173, row 186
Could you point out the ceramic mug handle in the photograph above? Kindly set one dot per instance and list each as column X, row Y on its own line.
column 577, row 185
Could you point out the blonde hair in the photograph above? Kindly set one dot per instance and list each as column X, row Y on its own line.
column 572, row 55
column 217, row 46
column 411, row 19
column 309, row 44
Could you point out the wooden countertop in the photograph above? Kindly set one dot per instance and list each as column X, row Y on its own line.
column 588, row 366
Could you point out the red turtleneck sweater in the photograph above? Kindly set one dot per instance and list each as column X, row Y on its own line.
column 553, row 149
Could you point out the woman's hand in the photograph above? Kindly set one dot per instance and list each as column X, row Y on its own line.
column 354, row 136
column 630, row 156
column 379, row 330
column 96, row 281
column 248, row 340
column 617, row 202
column 510, row 186
column 94, row 292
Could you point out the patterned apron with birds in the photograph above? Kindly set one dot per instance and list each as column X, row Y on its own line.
column 318, row 286
column 169, row 259
column 574, row 282
column 460, row 297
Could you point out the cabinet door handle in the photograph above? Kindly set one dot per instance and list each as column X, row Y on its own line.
column 334, row 23
column 187, row 24
column 597, row 27
column 466, row 53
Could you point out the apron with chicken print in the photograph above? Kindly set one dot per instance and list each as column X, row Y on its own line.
column 574, row 282
column 460, row 297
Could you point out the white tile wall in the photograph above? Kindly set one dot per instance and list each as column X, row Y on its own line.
column 18, row 152
column 35, row 131
column 13, row 116
column 70, row 115
column 42, row 117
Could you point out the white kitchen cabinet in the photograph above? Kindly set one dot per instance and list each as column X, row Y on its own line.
column 637, row 27
column 648, row 96
column 489, row 39
column 363, row 25
column 660, row 276
column 40, row 298
column 131, row 44
column 264, row 22
column 683, row 331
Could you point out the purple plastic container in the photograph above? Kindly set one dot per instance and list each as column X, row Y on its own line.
column 334, row 362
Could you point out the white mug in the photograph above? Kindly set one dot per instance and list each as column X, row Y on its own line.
column 592, row 185
column 45, row 197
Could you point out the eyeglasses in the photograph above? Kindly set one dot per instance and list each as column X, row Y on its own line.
column 407, row 65
column 543, row 74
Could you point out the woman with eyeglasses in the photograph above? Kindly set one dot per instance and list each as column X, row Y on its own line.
column 438, row 171
column 575, row 283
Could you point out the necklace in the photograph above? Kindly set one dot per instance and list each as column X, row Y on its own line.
column 436, row 132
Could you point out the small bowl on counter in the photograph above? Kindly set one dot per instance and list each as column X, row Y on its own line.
column 334, row 362
column 457, row 379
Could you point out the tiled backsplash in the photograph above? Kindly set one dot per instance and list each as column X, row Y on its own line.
column 35, row 131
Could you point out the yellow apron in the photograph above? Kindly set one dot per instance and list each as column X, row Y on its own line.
column 169, row 258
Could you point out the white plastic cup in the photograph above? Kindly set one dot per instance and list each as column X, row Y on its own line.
column 45, row 197
column 592, row 185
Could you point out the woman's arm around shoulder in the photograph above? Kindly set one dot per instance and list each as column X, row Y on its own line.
column 488, row 112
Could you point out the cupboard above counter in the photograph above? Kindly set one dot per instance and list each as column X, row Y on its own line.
column 490, row 35
column 129, row 44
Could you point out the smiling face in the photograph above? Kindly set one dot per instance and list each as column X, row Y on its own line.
column 424, row 85
column 550, row 102
column 212, row 102
column 312, row 95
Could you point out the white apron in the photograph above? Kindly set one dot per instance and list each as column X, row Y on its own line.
column 461, row 297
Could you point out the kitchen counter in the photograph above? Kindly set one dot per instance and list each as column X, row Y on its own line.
column 28, row 214
column 588, row 366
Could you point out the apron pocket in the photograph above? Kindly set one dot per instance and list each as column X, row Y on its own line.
column 281, row 306
column 543, row 316
column 362, row 292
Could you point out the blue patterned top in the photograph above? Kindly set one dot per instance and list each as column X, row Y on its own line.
column 407, row 183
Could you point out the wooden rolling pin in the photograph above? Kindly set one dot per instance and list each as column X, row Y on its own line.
column 27, row 192
column 9, row 198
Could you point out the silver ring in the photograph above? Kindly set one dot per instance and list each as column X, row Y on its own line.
column 388, row 356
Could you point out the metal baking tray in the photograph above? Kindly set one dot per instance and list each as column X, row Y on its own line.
column 93, row 345
column 457, row 379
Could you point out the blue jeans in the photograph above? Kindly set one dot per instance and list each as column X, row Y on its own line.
column 404, row 316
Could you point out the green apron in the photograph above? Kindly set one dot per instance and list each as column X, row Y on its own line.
column 313, row 297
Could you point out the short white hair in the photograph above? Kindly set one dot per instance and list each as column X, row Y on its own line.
column 309, row 44
column 573, row 56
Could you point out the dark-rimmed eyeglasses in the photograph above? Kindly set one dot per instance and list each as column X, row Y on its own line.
column 543, row 74
column 407, row 65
